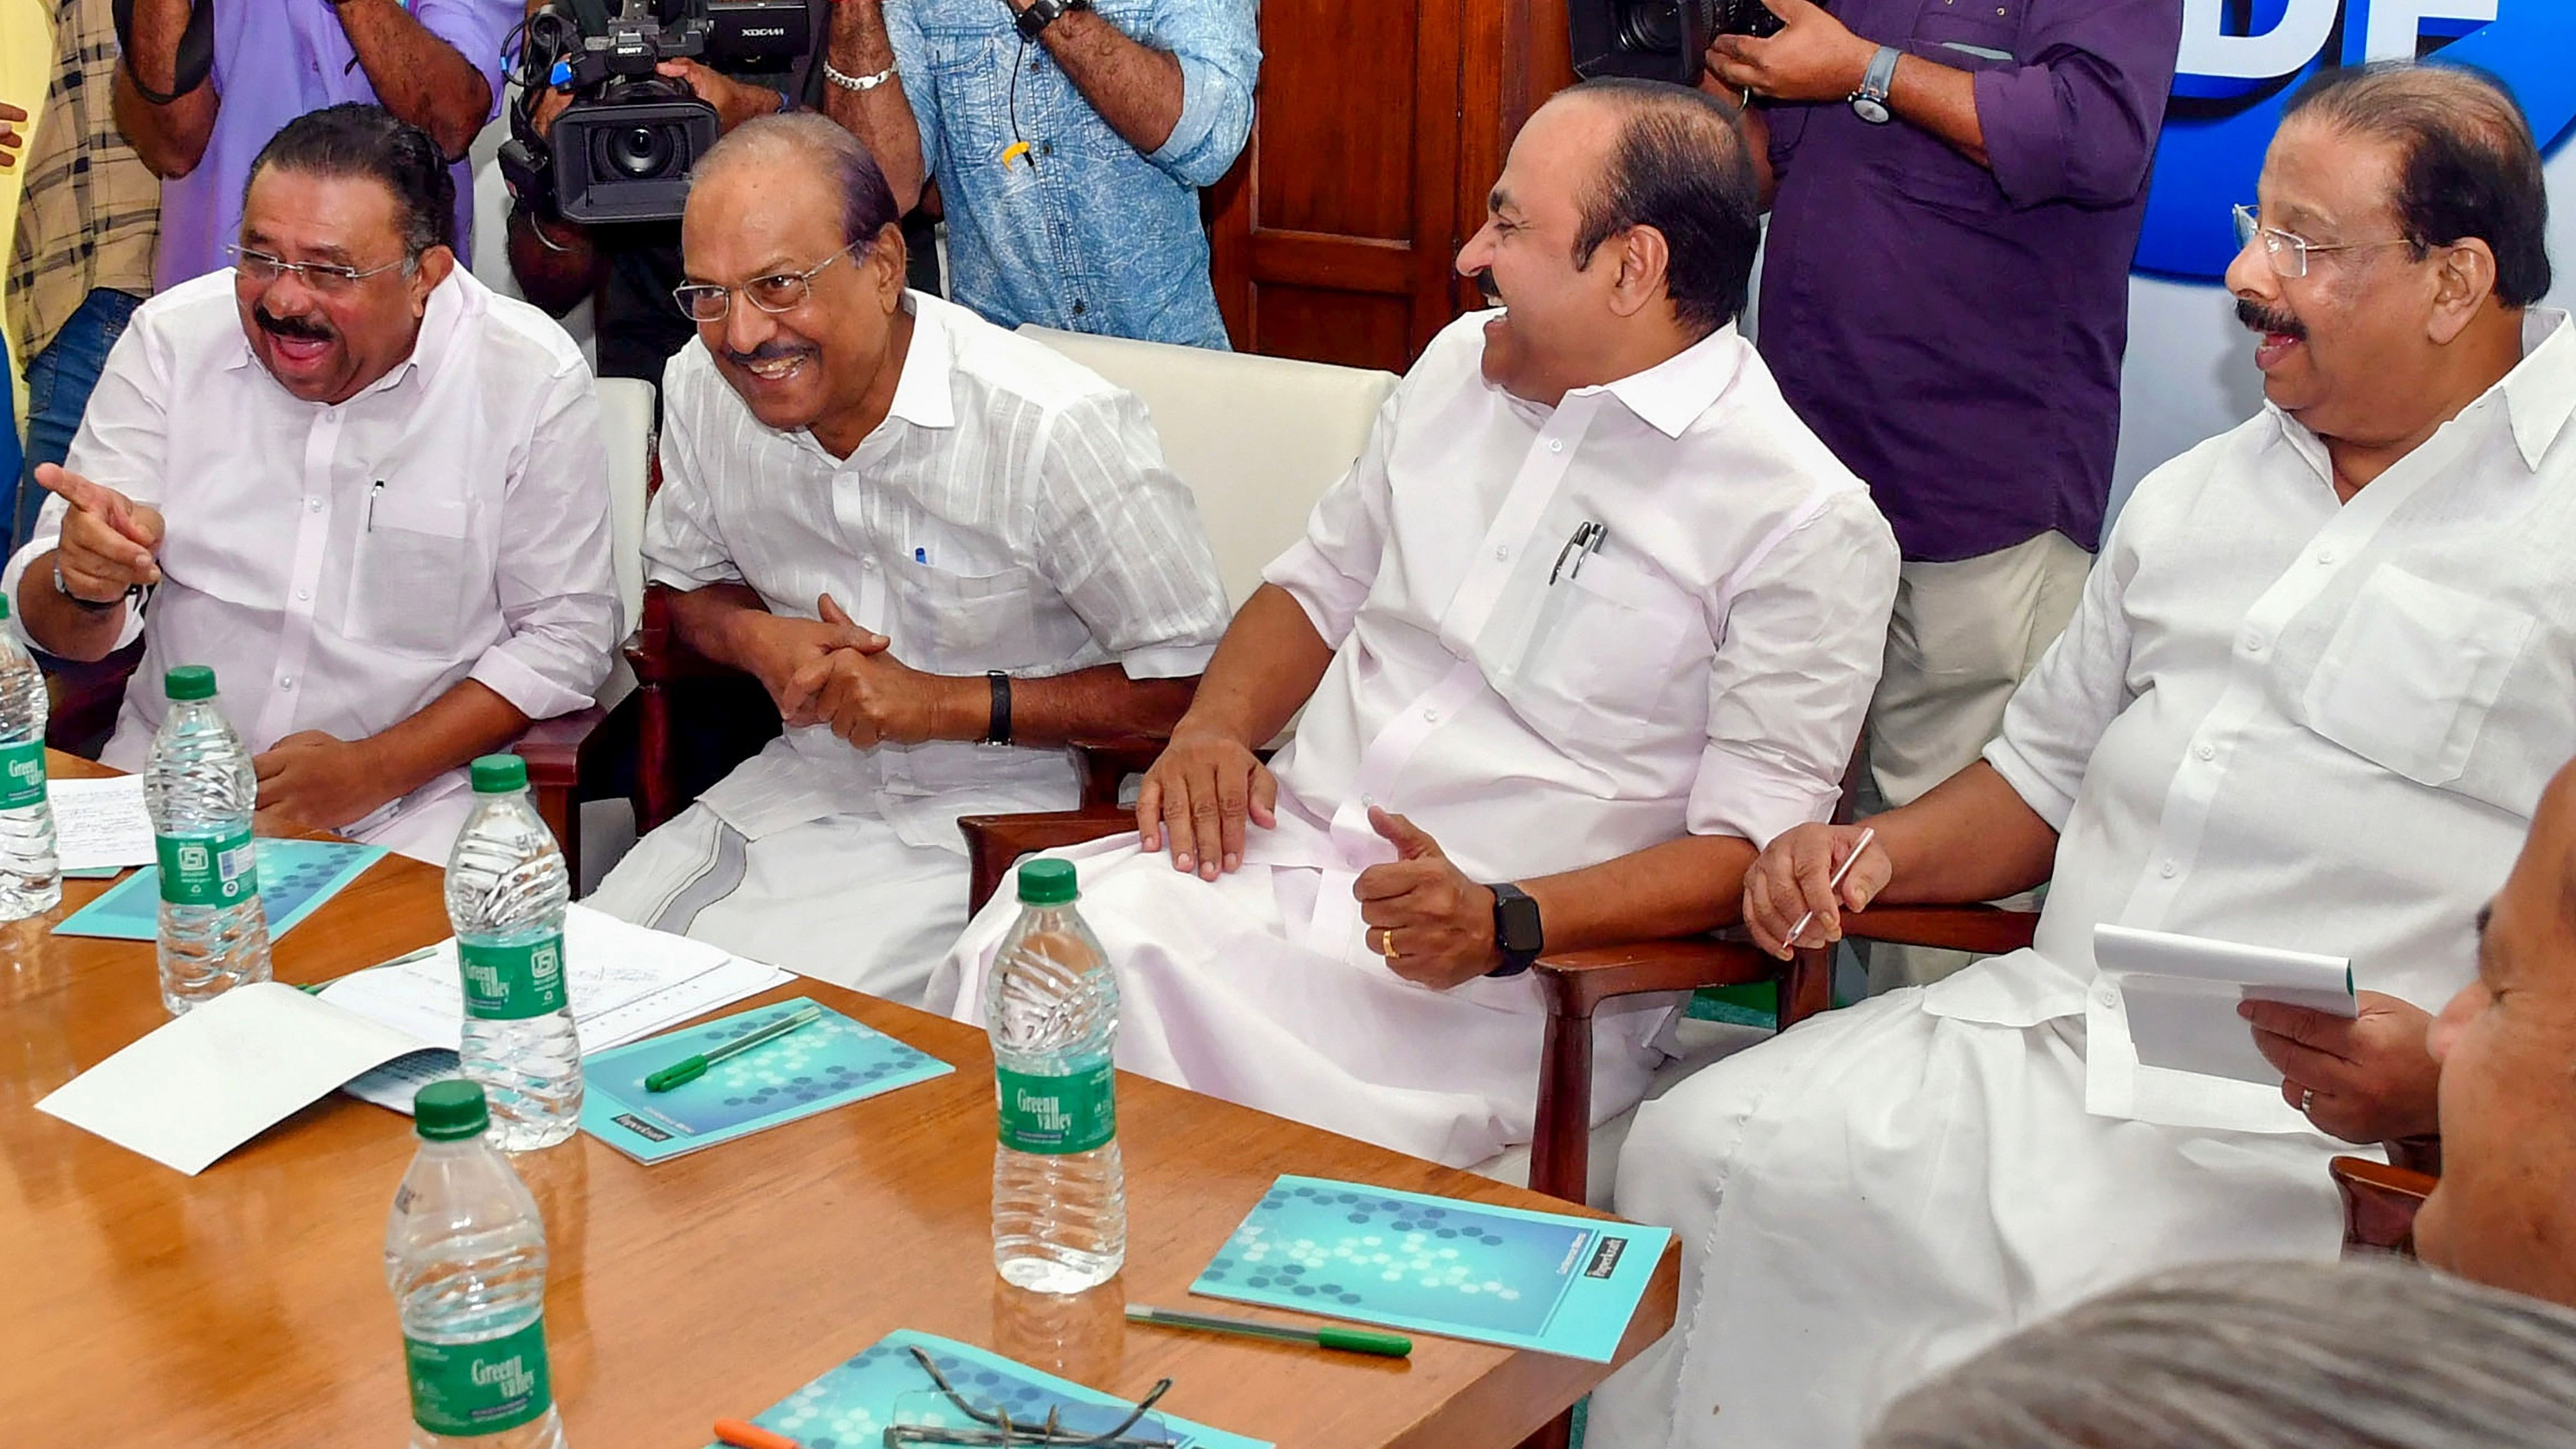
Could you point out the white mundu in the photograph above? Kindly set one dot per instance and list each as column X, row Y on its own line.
column 2275, row 720
column 343, row 565
column 1533, row 707
column 1012, row 512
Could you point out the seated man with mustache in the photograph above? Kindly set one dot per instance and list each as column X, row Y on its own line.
column 944, row 548
column 2310, row 700
column 367, row 491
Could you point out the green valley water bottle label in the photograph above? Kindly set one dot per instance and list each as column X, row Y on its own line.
column 466, row 1389
column 509, row 983
column 208, row 870
column 22, row 775
column 1054, row 1115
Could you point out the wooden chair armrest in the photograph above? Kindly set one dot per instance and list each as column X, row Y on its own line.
column 993, row 842
column 2379, row 1204
column 553, row 748
column 1106, row 763
column 656, row 653
column 1578, row 981
column 1985, row 930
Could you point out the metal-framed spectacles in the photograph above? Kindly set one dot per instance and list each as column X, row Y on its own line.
column 2287, row 250
column 777, row 292
column 993, row 1426
column 328, row 278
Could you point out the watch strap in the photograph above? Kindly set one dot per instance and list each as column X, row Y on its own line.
column 1879, row 80
column 94, row 606
column 997, row 731
column 1033, row 21
column 1510, row 901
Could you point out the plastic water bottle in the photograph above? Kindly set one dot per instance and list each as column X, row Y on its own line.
column 465, row 1255
column 1059, row 1194
column 199, row 789
column 506, row 890
column 30, row 880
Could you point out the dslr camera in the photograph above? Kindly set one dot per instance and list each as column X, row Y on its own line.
column 623, row 149
column 1658, row 39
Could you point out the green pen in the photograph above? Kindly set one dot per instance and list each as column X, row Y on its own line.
column 1348, row 1340
column 690, row 1068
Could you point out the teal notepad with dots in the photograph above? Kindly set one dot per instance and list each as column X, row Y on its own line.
column 829, row 1063
column 296, row 878
column 1546, row 1281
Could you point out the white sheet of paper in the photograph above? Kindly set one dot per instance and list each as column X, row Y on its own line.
column 2181, row 994
column 100, row 824
column 198, row 1087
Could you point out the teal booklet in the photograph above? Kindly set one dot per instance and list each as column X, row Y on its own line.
column 1546, row 1281
column 887, row 1386
column 295, row 878
column 830, row 1063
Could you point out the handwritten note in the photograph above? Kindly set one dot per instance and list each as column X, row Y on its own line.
column 100, row 825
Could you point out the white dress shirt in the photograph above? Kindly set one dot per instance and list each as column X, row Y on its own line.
column 1012, row 512
column 1538, row 707
column 341, row 566
column 2286, row 720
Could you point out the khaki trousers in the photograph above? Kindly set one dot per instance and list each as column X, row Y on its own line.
column 1963, row 637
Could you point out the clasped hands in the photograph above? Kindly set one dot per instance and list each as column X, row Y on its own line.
column 830, row 671
column 2368, row 1079
column 1434, row 926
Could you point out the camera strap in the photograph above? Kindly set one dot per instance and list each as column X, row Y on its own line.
column 196, row 59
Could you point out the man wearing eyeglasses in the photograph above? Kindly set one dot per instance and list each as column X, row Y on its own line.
column 2310, row 700
column 943, row 548
column 367, row 491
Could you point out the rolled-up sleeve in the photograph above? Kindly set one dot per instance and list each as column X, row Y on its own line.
column 1123, row 543
column 1330, row 571
column 477, row 28
column 1803, row 639
column 2059, row 714
column 557, row 587
column 2077, row 118
column 1218, row 43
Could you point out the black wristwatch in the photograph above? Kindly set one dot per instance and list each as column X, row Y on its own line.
column 1517, row 933
column 1043, row 13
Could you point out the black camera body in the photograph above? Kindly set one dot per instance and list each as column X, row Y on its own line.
column 1658, row 39
column 623, row 149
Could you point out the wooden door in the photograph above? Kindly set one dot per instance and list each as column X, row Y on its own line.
column 1382, row 124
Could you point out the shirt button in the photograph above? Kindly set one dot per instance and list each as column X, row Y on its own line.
column 1431, row 716
column 304, row 594
column 313, row 505
column 1556, row 445
column 2327, row 555
column 2208, row 752
column 1077, row 306
column 2253, row 643
column 286, row 681
column 1502, row 551
column 2169, row 869
column 868, row 564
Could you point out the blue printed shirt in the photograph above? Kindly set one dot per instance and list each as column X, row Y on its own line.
column 1095, row 236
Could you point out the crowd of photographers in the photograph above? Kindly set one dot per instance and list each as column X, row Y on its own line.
column 1063, row 152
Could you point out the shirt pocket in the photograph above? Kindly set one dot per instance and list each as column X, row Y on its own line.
column 2410, row 674
column 1968, row 35
column 1603, row 646
column 974, row 604
column 409, row 588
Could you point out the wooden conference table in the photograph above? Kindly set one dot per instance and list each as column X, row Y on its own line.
column 247, row 1305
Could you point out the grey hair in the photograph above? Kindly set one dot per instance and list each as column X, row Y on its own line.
column 2384, row 1355
column 867, row 203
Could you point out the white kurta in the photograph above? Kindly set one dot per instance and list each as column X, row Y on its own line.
column 343, row 565
column 1535, row 709
column 1012, row 512
column 2276, row 720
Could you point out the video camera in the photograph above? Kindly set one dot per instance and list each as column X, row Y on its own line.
column 1658, row 39
column 622, row 150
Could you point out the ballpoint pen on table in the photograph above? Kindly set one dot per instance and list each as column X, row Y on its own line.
column 690, row 1068
column 1844, row 869
column 1349, row 1340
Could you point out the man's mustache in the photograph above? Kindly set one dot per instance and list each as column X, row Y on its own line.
column 774, row 350
column 2270, row 320
column 303, row 329
column 1485, row 287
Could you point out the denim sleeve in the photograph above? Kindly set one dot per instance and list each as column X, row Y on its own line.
column 912, row 67
column 1218, row 43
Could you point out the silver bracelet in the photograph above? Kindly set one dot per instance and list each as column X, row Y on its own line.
column 861, row 83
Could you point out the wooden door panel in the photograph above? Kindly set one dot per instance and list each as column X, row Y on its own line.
column 1355, row 329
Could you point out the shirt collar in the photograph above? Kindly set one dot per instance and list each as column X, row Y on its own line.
column 1672, row 394
column 923, row 396
column 2538, row 397
column 438, row 324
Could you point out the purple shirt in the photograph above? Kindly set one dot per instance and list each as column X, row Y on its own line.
column 1954, row 332
column 274, row 61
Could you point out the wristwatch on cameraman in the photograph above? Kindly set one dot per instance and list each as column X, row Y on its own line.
column 1040, row 14
column 1870, row 101
column 1517, row 932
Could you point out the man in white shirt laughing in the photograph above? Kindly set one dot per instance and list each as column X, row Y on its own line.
column 1592, row 618
column 2309, row 700
column 368, row 492
column 944, row 548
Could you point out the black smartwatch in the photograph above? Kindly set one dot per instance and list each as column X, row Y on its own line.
column 1043, row 13
column 997, row 726
column 1517, row 933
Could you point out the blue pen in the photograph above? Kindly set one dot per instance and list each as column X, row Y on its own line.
column 921, row 555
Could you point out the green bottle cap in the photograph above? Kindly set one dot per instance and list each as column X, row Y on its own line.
column 1047, row 883
column 4, row 607
column 189, row 681
column 500, row 775
column 450, row 1111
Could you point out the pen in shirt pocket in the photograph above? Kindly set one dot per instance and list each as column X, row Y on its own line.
column 373, row 494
